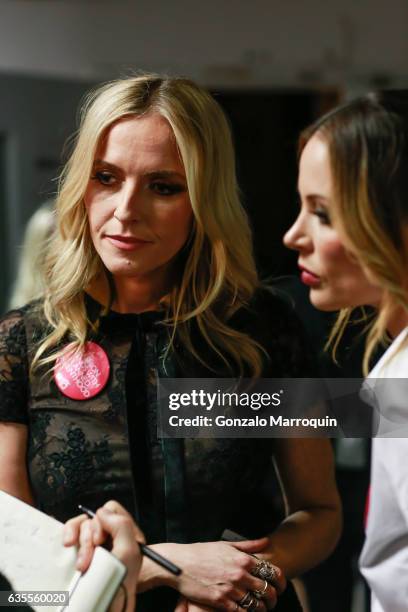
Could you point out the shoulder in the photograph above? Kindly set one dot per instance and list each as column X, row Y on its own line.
column 12, row 327
column 393, row 363
column 14, row 364
column 15, row 322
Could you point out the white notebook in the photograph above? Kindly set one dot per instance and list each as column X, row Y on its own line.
column 33, row 558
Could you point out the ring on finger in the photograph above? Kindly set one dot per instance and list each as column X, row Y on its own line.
column 248, row 601
column 254, row 605
column 265, row 570
column 258, row 593
column 245, row 599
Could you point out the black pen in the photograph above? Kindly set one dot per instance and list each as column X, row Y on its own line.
column 148, row 552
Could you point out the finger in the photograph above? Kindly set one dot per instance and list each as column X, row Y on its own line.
column 121, row 528
column 117, row 508
column 114, row 506
column 72, row 528
column 247, row 596
column 221, row 596
column 252, row 584
column 182, row 605
column 269, row 596
column 278, row 580
column 99, row 534
column 193, row 607
column 251, row 546
column 259, row 605
column 86, row 547
column 227, row 597
column 244, row 577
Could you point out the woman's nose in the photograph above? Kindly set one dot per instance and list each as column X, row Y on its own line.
column 129, row 206
column 296, row 237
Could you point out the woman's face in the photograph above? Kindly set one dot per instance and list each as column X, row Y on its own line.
column 334, row 277
column 137, row 202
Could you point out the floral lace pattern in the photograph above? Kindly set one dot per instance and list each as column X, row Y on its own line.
column 13, row 369
column 79, row 451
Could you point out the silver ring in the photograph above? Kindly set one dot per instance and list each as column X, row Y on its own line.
column 244, row 600
column 268, row 572
column 248, row 604
column 258, row 593
column 265, row 570
column 254, row 605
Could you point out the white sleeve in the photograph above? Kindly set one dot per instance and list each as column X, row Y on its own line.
column 384, row 560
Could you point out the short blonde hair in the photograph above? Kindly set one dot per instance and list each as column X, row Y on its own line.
column 219, row 274
column 368, row 146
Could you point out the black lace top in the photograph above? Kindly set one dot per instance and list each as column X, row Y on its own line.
column 106, row 447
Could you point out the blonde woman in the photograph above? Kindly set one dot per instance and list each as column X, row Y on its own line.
column 151, row 274
column 352, row 238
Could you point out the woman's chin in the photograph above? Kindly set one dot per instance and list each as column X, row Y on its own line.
column 125, row 267
column 325, row 303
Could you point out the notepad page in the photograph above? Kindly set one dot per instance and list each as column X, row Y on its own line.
column 97, row 587
column 32, row 555
column 33, row 558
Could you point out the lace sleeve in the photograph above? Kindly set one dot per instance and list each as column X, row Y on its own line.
column 13, row 368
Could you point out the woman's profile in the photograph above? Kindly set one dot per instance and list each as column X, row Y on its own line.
column 351, row 235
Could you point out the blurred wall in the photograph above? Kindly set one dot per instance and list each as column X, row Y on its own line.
column 36, row 117
column 52, row 51
column 273, row 42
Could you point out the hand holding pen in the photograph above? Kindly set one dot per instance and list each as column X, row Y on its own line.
column 145, row 550
column 110, row 523
column 114, row 522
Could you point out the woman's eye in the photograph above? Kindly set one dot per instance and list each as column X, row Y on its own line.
column 166, row 189
column 105, row 178
column 323, row 216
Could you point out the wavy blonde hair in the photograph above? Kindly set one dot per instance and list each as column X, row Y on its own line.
column 368, row 147
column 219, row 274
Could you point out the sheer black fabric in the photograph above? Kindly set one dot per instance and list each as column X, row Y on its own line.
column 106, row 447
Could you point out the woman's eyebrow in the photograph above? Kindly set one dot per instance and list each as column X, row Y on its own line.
column 102, row 162
column 155, row 174
column 312, row 197
column 316, row 197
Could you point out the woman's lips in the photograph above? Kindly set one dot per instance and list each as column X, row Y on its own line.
column 127, row 243
column 308, row 278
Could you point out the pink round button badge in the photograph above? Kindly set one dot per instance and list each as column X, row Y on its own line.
column 82, row 375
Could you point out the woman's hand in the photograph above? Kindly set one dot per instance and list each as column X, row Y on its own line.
column 217, row 575
column 113, row 522
column 184, row 605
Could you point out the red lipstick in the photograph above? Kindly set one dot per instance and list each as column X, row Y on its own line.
column 308, row 278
